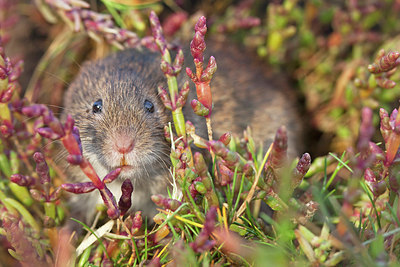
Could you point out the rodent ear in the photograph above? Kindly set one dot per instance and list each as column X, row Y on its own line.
column 149, row 106
column 97, row 106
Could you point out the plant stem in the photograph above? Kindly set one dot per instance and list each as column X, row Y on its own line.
column 179, row 122
column 253, row 187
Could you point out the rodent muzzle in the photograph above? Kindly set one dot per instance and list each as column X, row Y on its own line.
column 123, row 144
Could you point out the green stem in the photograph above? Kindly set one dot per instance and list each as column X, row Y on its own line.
column 3, row 82
column 5, row 165
column 21, row 193
column 114, row 13
column 173, row 89
column 5, row 112
column 179, row 122
column 188, row 198
column 85, row 257
column 210, row 194
column 50, row 209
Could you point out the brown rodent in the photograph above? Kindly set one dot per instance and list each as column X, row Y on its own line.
column 121, row 118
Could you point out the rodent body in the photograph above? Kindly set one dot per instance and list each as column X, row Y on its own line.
column 121, row 118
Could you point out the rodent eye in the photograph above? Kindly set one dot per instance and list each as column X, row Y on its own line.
column 97, row 106
column 149, row 106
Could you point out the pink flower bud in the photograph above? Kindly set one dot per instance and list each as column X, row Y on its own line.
column 41, row 168
column 75, row 159
column 278, row 154
column 384, row 63
column 183, row 95
column 301, row 169
column 22, row 180
column 173, row 22
column 209, row 70
column 125, row 201
column 55, row 195
column 69, row 124
column 109, row 201
column 79, row 188
column 197, row 45
column 37, row 195
column 34, row 110
column 157, row 32
column 225, row 138
column 48, row 133
column 202, row 242
column 137, row 222
column 226, row 175
column 112, row 176
column 200, row 164
column 163, row 94
column 199, row 108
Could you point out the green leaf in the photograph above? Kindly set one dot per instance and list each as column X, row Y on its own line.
column 273, row 203
column 377, row 247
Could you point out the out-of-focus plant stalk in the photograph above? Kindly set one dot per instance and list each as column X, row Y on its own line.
column 393, row 142
column 49, row 198
column 254, row 185
column 8, row 76
column 202, row 242
column 77, row 16
column 26, row 250
column 19, row 191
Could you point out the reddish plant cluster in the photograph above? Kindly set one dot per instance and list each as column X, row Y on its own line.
column 384, row 67
column 97, row 26
column 239, row 18
column 69, row 136
column 8, row 19
column 9, row 72
column 374, row 164
column 203, row 242
column 202, row 78
column 229, row 164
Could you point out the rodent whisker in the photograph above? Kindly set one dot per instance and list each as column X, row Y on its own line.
column 134, row 184
column 76, row 63
column 50, row 143
column 159, row 156
column 56, row 106
column 159, row 159
column 60, row 156
column 28, row 119
column 145, row 161
column 58, row 78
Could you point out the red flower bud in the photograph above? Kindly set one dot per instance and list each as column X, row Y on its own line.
column 125, row 201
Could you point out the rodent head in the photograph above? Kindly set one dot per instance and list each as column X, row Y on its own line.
column 120, row 116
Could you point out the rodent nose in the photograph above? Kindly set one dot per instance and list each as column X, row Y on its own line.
column 124, row 145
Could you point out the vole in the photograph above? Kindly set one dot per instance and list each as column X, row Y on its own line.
column 121, row 118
